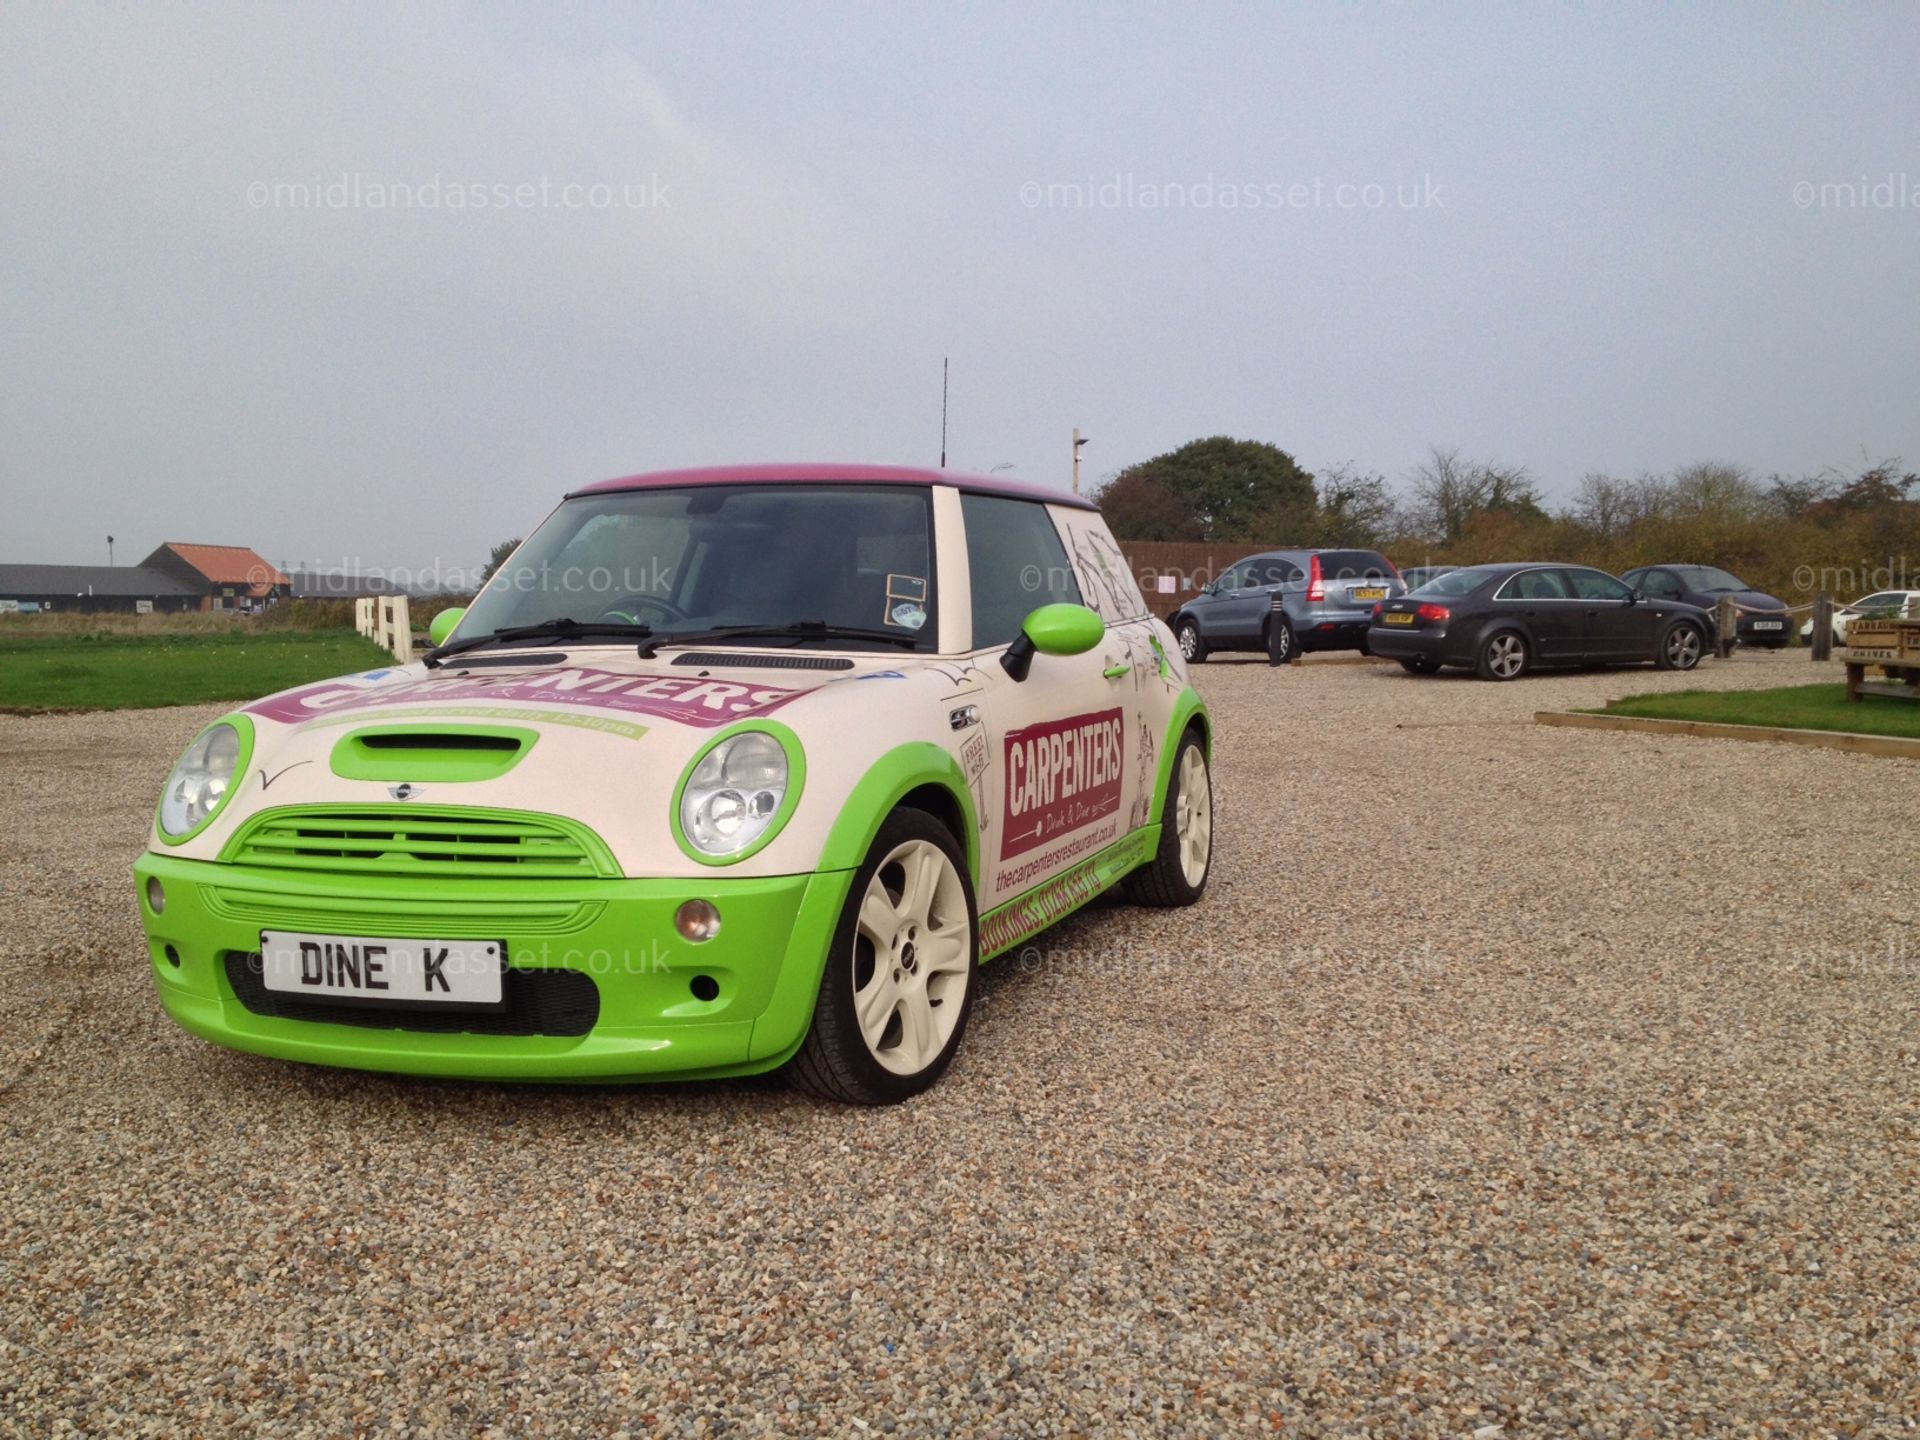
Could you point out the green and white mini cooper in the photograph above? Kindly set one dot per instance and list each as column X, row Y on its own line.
column 724, row 771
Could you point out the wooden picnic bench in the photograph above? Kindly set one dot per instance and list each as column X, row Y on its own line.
column 1890, row 645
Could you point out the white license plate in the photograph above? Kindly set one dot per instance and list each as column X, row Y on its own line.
column 383, row 971
column 1769, row 624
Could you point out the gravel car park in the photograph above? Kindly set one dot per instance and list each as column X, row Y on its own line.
column 1513, row 1135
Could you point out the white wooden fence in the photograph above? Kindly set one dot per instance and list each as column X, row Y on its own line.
column 384, row 620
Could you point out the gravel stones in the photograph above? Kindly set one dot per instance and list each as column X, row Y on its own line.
column 1510, row 1081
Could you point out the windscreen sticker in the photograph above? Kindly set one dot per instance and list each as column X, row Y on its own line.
column 906, row 601
column 1061, row 776
column 670, row 697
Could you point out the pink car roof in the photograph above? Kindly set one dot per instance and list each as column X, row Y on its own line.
column 813, row 474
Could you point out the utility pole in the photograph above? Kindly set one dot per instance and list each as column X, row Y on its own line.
column 109, row 552
column 943, row 412
column 1078, row 441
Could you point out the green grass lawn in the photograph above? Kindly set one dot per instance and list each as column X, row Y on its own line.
column 121, row 672
column 1797, row 707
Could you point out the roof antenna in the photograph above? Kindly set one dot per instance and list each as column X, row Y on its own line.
column 943, row 412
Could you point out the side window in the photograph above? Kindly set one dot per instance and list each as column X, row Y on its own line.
column 1275, row 571
column 1538, row 585
column 1018, row 565
column 1661, row 585
column 1593, row 585
column 1235, row 577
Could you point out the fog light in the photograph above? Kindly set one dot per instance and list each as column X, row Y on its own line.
column 156, row 895
column 697, row 920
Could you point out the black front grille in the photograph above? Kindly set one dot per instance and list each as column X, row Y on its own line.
column 539, row 1002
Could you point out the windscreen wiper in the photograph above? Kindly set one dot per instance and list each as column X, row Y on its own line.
column 796, row 631
column 563, row 628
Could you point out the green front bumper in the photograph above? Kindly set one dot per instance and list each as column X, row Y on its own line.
column 765, row 962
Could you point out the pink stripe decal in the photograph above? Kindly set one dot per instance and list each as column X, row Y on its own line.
column 705, row 703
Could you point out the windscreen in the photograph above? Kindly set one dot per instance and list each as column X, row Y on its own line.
column 711, row 556
column 1354, row 565
column 1709, row 578
column 1455, row 583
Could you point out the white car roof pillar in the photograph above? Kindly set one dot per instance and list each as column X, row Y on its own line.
column 952, row 573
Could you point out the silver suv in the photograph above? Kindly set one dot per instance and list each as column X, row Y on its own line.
column 1288, row 601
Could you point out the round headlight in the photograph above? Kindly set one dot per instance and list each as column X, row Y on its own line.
column 201, row 780
column 734, row 793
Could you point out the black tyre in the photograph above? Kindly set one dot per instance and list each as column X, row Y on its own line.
column 1177, row 874
column 1192, row 646
column 1681, row 647
column 1503, row 656
column 1418, row 665
column 1283, row 646
column 899, row 981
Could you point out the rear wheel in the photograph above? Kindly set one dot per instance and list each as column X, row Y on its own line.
column 1503, row 656
column 1191, row 645
column 1680, row 648
column 898, row 984
column 1177, row 874
column 1419, row 665
column 1282, row 644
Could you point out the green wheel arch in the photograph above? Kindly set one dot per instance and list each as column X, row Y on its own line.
column 918, row 765
column 896, row 775
column 1187, row 710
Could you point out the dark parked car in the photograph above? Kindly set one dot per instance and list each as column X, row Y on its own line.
column 1761, row 618
column 1504, row 620
column 1324, row 598
column 1418, row 575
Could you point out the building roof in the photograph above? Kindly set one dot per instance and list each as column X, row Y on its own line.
column 227, row 564
column 136, row 581
column 838, row 475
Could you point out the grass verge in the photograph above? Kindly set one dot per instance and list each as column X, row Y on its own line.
column 1794, row 707
column 121, row 672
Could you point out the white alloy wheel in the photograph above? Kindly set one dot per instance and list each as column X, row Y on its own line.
column 1194, row 822
column 913, row 957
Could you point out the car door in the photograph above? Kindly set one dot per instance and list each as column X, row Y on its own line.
column 1057, row 772
column 1239, row 606
column 1617, row 627
column 1543, row 601
column 1143, row 666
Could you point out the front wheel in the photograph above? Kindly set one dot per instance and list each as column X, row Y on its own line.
column 898, row 984
column 1680, row 649
column 1177, row 874
column 1503, row 656
column 1192, row 647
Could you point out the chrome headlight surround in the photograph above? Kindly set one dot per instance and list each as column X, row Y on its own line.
column 738, row 792
column 204, row 779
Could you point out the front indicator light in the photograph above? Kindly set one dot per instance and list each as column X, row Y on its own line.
column 697, row 921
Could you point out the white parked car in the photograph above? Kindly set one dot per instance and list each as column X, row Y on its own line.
column 725, row 771
column 1880, row 603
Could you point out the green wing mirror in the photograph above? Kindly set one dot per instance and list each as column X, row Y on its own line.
column 442, row 624
column 1053, row 630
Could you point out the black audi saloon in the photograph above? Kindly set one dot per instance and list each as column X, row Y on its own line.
column 1504, row 620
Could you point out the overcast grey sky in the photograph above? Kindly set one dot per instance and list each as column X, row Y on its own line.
column 1608, row 238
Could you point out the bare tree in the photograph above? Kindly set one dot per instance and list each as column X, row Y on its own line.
column 1448, row 490
column 1356, row 507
